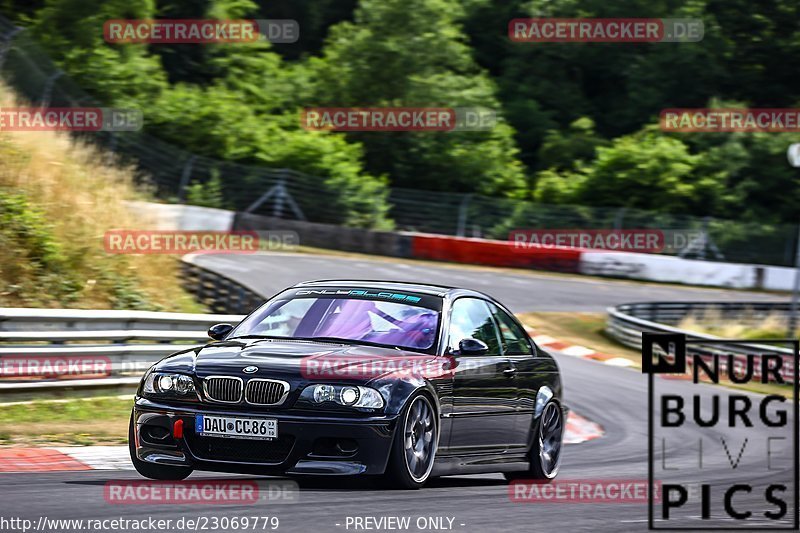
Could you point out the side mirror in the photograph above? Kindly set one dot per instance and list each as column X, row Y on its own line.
column 472, row 347
column 218, row 331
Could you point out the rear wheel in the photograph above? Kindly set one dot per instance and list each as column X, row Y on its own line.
column 414, row 446
column 545, row 456
column 152, row 470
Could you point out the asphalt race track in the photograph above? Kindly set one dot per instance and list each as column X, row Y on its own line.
column 614, row 397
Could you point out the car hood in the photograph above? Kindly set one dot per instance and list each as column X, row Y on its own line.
column 289, row 359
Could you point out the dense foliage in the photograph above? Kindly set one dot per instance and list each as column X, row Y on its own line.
column 578, row 121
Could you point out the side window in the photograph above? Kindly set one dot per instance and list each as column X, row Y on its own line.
column 471, row 317
column 513, row 337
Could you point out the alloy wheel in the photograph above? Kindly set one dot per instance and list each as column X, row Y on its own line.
column 419, row 440
column 551, row 429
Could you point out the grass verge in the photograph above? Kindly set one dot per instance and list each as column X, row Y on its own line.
column 90, row 421
column 584, row 329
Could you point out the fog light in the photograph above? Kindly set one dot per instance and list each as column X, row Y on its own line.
column 349, row 395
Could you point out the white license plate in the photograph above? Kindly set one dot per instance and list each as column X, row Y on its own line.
column 236, row 427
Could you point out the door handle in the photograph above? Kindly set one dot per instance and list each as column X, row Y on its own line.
column 510, row 372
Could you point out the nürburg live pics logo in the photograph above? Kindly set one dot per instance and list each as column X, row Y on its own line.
column 723, row 433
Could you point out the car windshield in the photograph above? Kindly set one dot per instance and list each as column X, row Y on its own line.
column 391, row 324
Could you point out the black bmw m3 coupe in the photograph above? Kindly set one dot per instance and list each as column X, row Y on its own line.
column 399, row 380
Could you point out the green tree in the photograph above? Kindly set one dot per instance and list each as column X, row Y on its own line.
column 568, row 150
column 207, row 194
column 400, row 53
column 237, row 102
column 72, row 33
column 217, row 122
column 646, row 170
column 315, row 17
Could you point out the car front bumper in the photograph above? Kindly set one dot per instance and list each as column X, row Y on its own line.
column 306, row 443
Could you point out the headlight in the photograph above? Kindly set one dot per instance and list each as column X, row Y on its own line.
column 349, row 396
column 164, row 385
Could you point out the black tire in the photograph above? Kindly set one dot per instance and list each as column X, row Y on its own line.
column 400, row 473
column 152, row 470
column 548, row 441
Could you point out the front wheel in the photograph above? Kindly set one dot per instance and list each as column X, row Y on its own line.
column 152, row 470
column 545, row 457
column 414, row 446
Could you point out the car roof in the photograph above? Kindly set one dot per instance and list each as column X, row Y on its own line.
column 423, row 288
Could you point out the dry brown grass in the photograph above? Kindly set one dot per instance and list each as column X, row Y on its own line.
column 748, row 326
column 80, row 196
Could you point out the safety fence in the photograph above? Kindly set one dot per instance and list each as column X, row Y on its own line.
column 62, row 349
column 505, row 253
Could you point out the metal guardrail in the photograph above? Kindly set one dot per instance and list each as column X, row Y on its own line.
column 133, row 341
column 121, row 344
column 128, row 342
column 627, row 322
column 54, row 321
column 118, row 336
column 24, row 366
column 672, row 313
